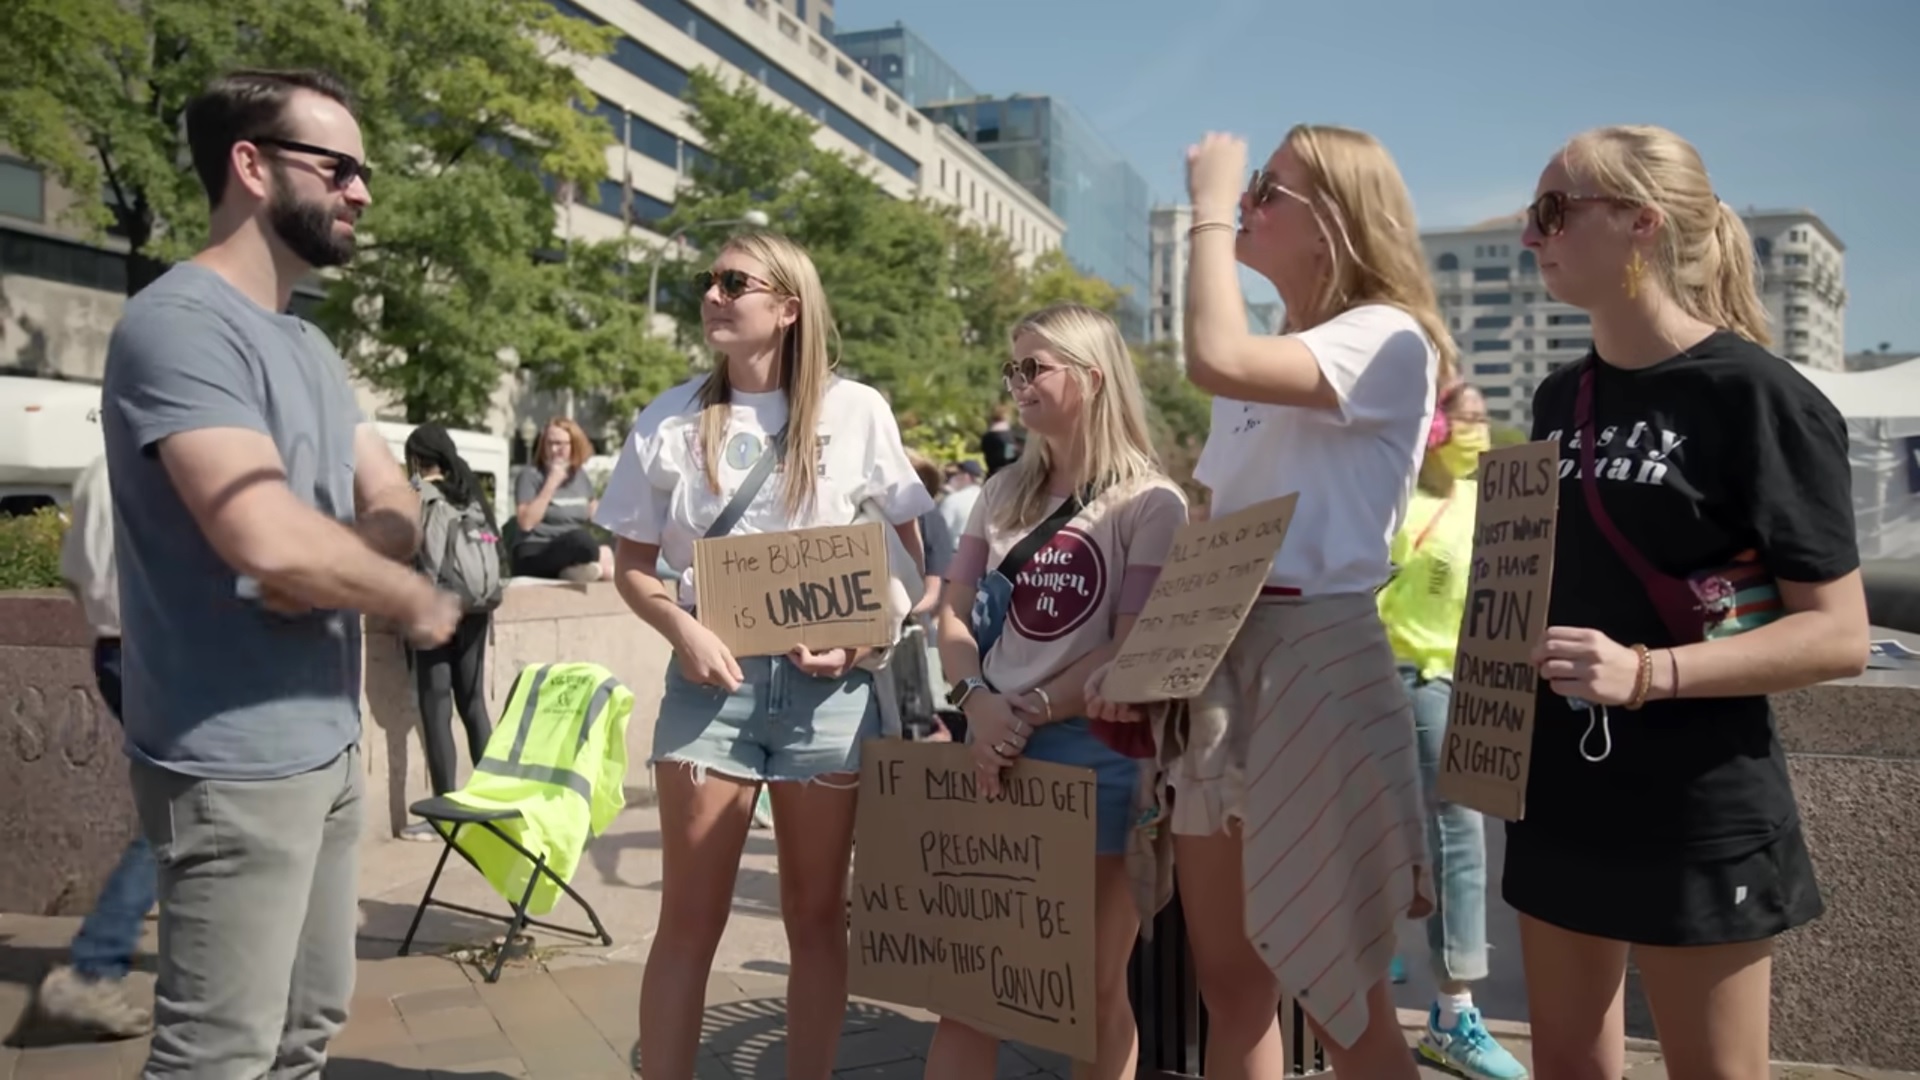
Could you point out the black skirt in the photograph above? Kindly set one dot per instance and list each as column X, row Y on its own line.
column 1656, row 899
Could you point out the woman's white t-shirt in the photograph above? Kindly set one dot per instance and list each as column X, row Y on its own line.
column 1354, row 466
column 658, row 493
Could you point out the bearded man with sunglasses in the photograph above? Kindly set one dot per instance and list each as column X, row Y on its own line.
column 257, row 515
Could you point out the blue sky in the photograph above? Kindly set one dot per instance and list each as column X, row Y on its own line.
column 1791, row 104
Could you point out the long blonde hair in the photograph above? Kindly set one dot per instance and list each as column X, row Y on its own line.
column 808, row 355
column 1118, row 450
column 1363, row 206
column 1705, row 257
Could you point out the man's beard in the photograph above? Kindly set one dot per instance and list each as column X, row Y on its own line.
column 307, row 228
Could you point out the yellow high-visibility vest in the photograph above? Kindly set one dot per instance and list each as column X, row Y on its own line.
column 559, row 757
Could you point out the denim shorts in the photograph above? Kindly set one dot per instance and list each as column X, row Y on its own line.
column 782, row 724
column 1072, row 742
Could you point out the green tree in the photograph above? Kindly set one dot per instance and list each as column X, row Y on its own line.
column 464, row 107
column 1178, row 414
column 1054, row 279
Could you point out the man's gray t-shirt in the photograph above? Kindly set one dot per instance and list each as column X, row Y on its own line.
column 216, row 686
column 566, row 511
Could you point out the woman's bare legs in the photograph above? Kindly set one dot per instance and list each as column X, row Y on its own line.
column 1575, row 990
column 815, row 841
column 1242, row 998
column 703, row 826
column 1712, row 1005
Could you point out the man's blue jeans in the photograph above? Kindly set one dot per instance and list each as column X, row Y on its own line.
column 1457, row 929
column 104, row 947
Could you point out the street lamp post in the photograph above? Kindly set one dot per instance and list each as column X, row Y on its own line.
column 756, row 218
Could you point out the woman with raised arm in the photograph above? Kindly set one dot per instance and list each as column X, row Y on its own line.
column 1705, row 558
column 1055, row 563
column 770, row 441
column 1298, row 815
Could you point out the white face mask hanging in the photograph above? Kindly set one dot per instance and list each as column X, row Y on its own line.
column 1596, row 717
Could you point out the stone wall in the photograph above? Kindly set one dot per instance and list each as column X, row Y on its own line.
column 1843, row 987
column 65, row 812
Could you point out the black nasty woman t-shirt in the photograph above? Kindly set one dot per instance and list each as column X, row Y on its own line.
column 1722, row 449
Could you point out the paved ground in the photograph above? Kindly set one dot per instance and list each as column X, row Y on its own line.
column 572, row 1012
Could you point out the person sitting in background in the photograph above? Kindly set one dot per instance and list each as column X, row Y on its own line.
column 555, row 501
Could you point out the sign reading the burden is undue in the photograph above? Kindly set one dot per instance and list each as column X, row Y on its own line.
column 1211, row 578
column 973, row 908
column 765, row 593
column 1488, row 748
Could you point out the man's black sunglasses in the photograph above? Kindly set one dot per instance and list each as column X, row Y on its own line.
column 345, row 166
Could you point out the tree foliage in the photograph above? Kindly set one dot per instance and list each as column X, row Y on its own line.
column 922, row 300
column 464, row 105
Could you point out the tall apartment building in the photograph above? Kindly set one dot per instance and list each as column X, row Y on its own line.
column 815, row 15
column 1045, row 145
column 1167, row 273
column 1511, row 332
column 1168, row 253
column 63, row 292
column 640, row 83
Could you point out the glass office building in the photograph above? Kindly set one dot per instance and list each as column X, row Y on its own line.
column 908, row 66
column 1053, row 152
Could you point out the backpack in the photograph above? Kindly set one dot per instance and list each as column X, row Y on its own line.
column 469, row 564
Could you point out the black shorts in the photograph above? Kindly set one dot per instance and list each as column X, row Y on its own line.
column 1656, row 899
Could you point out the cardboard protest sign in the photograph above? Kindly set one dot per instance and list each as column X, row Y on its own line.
column 824, row 588
column 975, row 909
column 1210, row 580
column 1488, row 748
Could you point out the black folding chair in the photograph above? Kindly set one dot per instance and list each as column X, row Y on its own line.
column 439, row 810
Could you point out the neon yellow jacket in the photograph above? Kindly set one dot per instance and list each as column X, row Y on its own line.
column 559, row 757
column 1423, row 603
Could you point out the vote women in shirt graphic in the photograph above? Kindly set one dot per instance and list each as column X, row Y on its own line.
column 729, row 725
column 1058, row 591
column 1704, row 558
column 1298, row 815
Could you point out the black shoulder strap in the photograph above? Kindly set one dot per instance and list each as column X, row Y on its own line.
column 775, row 450
column 1030, row 545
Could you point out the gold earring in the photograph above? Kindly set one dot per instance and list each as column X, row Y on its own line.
column 1636, row 268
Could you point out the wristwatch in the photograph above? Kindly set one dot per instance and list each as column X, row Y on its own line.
column 957, row 696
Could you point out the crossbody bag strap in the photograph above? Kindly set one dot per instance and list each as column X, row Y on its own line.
column 1030, row 545
column 775, row 450
column 1663, row 589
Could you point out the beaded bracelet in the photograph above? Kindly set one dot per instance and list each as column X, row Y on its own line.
column 1642, row 679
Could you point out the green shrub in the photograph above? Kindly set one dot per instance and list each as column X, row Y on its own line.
column 30, row 550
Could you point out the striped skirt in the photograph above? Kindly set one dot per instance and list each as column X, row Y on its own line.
column 1305, row 734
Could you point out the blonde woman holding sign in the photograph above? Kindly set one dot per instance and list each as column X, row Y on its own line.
column 1056, row 561
column 724, row 454
column 1705, row 558
column 1297, row 816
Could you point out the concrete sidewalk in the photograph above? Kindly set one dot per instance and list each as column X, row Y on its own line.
column 570, row 1011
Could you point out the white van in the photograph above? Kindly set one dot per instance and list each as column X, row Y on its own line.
column 50, row 431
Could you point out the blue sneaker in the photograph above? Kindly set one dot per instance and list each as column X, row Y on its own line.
column 1467, row 1048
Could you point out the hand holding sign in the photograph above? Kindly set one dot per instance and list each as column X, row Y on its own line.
column 764, row 594
column 1488, row 747
column 1212, row 576
column 973, row 904
column 1588, row 665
